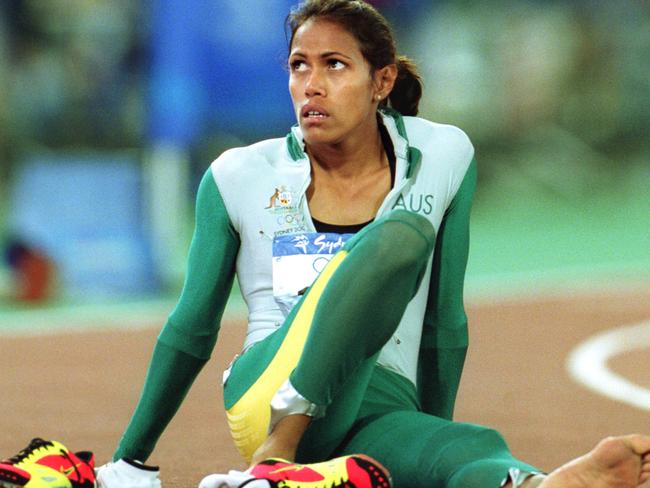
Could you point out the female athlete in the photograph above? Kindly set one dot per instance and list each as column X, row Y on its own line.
column 349, row 239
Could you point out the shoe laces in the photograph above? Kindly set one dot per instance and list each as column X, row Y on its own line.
column 37, row 444
column 33, row 446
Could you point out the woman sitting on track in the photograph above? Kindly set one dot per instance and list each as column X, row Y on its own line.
column 361, row 366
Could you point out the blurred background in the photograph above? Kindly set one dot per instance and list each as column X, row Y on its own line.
column 111, row 111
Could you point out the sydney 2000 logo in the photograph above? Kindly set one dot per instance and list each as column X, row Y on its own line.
column 288, row 216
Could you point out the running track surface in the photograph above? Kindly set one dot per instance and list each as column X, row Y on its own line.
column 80, row 387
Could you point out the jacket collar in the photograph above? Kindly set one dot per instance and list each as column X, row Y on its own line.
column 394, row 123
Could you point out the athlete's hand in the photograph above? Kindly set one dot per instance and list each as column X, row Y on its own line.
column 127, row 473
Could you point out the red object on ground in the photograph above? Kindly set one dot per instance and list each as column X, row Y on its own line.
column 34, row 275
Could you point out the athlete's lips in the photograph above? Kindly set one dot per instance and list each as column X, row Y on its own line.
column 312, row 110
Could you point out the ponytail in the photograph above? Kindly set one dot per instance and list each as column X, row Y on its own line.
column 406, row 94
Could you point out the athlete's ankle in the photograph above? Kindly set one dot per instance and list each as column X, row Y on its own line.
column 278, row 447
column 273, row 451
column 283, row 441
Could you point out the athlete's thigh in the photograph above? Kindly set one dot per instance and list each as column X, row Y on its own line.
column 251, row 385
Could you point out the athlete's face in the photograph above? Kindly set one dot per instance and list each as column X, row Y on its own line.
column 331, row 85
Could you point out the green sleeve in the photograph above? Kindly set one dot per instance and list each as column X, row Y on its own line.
column 190, row 334
column 444, row 338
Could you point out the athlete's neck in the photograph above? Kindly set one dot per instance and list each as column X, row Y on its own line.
column 349, row 159
column 348, row 186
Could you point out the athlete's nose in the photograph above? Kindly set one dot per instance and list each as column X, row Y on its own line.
column 315, row 84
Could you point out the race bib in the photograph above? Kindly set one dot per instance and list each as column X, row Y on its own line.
column 298, row 259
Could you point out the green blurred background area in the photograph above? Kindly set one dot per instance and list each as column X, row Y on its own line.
column 110, row 112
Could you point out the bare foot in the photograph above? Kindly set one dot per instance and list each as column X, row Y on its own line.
column 616, row 462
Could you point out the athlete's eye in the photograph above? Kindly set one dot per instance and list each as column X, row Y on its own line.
column 335, row 64
column 298, row 65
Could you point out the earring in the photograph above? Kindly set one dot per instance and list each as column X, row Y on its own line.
column 378, row 97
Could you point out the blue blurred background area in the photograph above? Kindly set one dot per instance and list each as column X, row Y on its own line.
column 110, row 112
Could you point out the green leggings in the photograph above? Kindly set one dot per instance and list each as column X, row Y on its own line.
column 328, row 347
column 423, row 451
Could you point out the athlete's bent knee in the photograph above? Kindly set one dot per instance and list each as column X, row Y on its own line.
column 407, row 236
column 416, row 222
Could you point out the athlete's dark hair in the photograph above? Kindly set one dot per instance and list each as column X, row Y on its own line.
column 376, row 40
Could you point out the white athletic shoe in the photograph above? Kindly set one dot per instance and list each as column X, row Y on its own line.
column 232, row 479
column 127, row 473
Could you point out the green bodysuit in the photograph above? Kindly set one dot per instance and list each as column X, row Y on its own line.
column 378, row 340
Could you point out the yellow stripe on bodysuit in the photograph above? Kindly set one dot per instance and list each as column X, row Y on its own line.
column 249, row 418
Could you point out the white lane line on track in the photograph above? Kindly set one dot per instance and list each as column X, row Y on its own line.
column 587, row 363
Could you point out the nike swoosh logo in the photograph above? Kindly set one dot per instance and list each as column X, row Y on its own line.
column 67, row 471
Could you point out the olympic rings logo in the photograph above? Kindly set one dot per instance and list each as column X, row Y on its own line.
column 290, row 219
column 319, row 263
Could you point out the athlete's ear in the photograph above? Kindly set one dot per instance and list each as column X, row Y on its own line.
column 384, row 81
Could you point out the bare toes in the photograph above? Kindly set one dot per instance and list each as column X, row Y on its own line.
column 640, row 444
